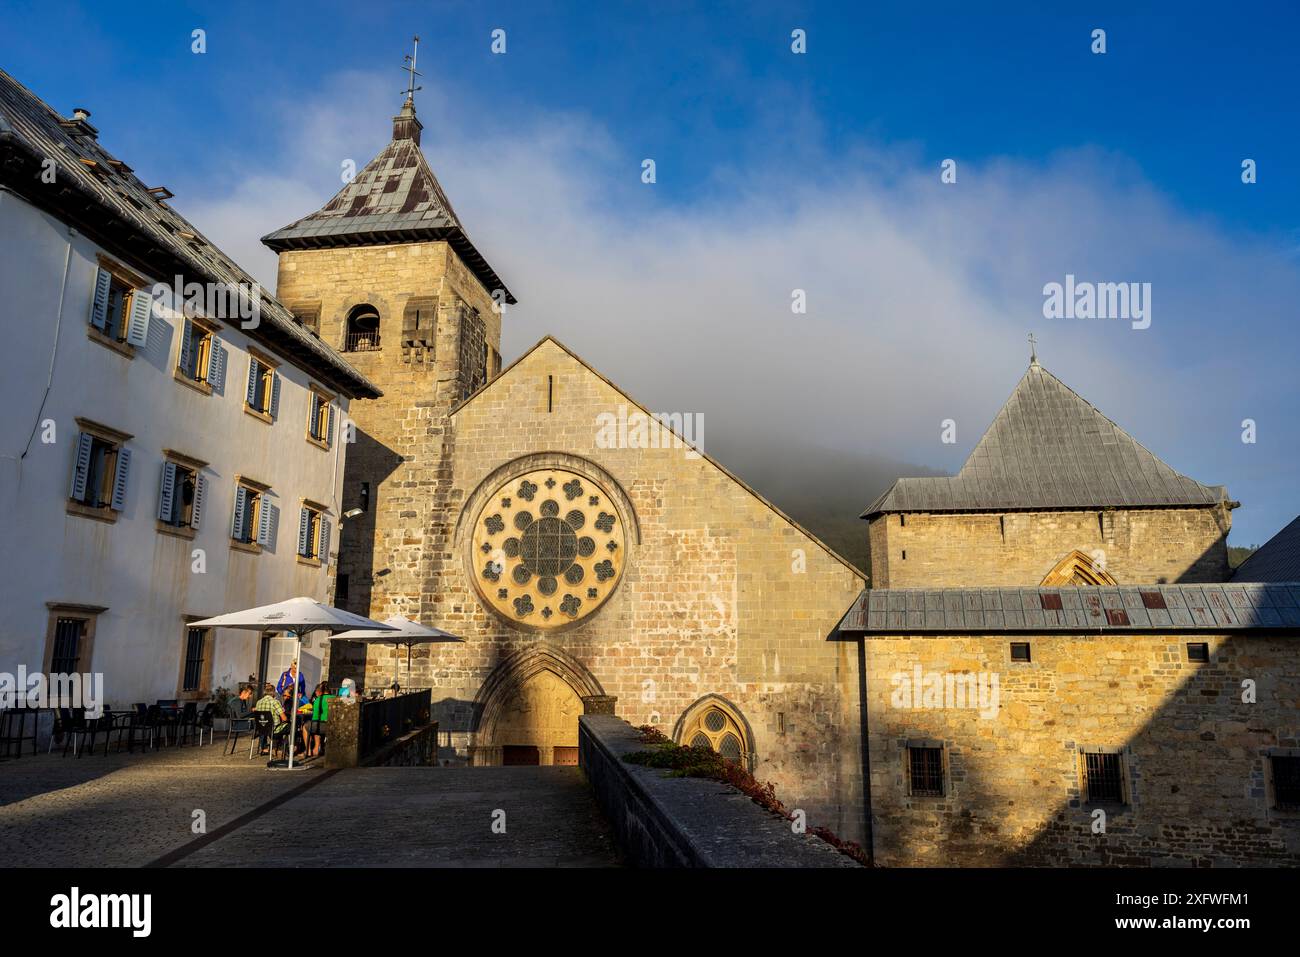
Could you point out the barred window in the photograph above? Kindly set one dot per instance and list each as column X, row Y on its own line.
column 68, row 633
column 925, row 767
column 195, row 643
column 1103, row 777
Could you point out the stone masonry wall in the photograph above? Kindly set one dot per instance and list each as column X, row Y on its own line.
column 400, row 446
column 721, row 595
column 1195, row 755
column 1021, row 548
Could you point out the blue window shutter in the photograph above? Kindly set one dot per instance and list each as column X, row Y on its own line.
column 137, row 329
column 323, row 549
column 120, row 479
column 329, row 428
column 275, row 395
column 199, row 483
column 304, row 531
column 99, row 303
column 253, row 368
column 81, row 468
column 166, row 494
column 217, row 367
column 187, row 349
column 241, row 507
column 264, row 522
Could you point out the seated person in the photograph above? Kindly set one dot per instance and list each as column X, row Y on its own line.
column 269, row 702
column 238, row 706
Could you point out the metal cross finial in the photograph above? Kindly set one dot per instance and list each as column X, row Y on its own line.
column 410, row 69
column 1033, row 350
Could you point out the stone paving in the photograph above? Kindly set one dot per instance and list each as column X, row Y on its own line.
column 128, row 810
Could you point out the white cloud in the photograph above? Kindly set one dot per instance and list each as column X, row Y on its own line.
column 920, row 294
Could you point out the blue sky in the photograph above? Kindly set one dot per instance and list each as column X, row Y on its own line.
column 776, row 172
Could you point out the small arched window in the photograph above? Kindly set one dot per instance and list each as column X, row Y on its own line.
column 361, row 333
column 713, row 723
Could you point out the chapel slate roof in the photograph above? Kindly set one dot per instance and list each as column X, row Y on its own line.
column 89, row 179
column 1126, row 608
column 395, row 198
column 1277, row 560
column 1049, row 447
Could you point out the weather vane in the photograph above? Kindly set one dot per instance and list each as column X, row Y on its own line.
column 410, row 69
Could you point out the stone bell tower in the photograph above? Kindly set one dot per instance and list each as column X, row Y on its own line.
column 385, row 274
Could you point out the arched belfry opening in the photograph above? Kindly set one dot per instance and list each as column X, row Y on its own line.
column 528, row 709
column 361, row 331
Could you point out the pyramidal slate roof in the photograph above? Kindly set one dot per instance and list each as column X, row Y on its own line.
column 1050, row 448
column 100, row 194
column 1277, row 560
column 395, row 198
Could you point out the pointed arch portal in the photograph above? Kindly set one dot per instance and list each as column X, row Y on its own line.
column 1078, row 568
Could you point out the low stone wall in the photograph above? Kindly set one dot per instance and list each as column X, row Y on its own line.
column 413, row 749
column 663, row 821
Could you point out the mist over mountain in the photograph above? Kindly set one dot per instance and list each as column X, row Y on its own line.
column 823, row 489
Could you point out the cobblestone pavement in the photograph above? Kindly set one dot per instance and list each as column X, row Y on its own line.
column 427, row 817
column 128, row 810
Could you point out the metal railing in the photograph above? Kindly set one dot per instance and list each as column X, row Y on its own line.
column 387, row 719
column 361, row 342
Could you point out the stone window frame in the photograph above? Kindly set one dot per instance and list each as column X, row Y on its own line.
column 945, row 776
column 86, row 613
column 689, row 721
column 1125, row 775
column 326, row 400
column 193, row 465
column 135, row 283
column 211, row 329
column 109, row 436
column 204, row 690
column 268, row 369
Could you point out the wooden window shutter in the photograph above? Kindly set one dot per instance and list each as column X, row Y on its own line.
column 323, row 540
column 187, row 348
column 304, row 531
column 199, row 483
column 120, row 479
column 81, row 469
column 253, row 369
column 137, row 330
column 166, row 493
column 275, row 395
column 99, row 302
column 266, row 522
column 241, row 507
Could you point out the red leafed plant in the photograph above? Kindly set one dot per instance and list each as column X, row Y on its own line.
column 701, row 762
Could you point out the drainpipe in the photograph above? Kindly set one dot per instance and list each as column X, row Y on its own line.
column 863, row 706
column 54, row 349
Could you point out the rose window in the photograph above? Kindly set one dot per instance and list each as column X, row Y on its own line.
column 548, row 548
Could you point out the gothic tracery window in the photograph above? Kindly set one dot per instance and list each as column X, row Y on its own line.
column 554, row 540
column 714, row 726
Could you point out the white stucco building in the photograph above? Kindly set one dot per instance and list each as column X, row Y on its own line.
column 154, row 469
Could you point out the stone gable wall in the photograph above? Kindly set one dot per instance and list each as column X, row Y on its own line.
column 1020, row 548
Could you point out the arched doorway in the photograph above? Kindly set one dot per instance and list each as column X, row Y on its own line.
column 529, row 709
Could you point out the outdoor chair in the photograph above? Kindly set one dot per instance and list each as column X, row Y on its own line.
column 204, row 722
column 70, row 724
column 187, row 721
column 264, row 730
column 237, row 726
column 13, row 730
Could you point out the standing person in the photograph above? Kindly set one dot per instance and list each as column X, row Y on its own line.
column 284, row 687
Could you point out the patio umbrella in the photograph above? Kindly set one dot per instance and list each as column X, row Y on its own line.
column 298, row 615
column 405, row 632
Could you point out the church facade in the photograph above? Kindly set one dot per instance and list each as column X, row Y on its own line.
column 578, row 557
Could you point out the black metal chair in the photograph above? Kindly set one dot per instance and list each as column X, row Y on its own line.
column 237, row 725
column 204, row 722
column 70, row 724
column 13, row 730
column 186, row 721
column 264, row 730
